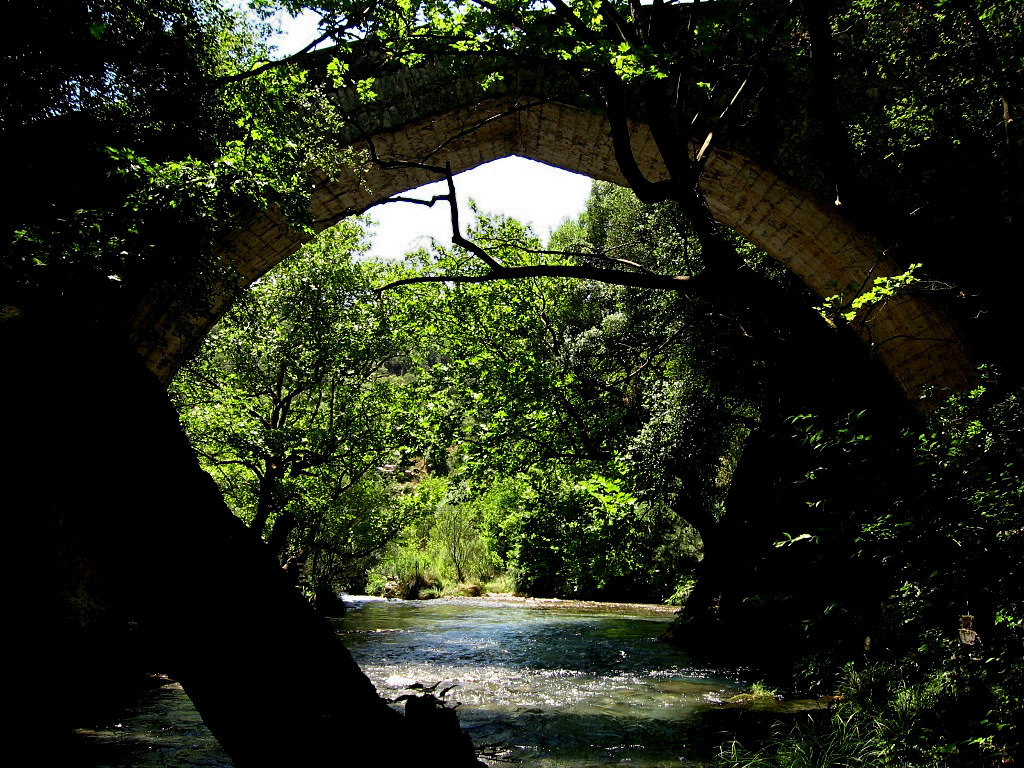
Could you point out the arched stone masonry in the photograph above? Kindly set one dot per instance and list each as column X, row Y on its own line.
column 913, row 337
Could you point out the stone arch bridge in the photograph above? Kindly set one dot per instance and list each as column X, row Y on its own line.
column 116, row 520
column 428, row 114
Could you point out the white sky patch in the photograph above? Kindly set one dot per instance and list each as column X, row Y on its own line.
column 531, row 192
column 295, row 33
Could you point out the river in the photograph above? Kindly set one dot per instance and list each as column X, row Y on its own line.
column 538, row 683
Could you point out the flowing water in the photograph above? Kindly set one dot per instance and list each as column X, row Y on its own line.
column 546, row 683
column 538, row 683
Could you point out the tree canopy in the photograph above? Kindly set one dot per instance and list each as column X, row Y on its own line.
column 292, row 406
column 169, row 136
column 585, row 430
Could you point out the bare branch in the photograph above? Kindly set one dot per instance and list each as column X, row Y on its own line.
column 647, row 191
column 499, row 271
column 599, row 254
column 680, row 283
column 457, row 237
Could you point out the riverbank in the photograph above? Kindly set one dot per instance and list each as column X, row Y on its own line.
column 557, row 602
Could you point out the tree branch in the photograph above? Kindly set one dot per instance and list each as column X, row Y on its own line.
column 598, row 254
column 293, row 58
column 751, row 76
column 498, row 271
column 679, row 283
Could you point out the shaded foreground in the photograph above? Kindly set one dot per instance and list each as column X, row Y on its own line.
column 134, row 560
column 539, row 683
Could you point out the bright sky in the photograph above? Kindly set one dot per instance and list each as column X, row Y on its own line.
column 531, row 192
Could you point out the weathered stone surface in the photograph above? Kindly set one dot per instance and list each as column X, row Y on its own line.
column 429, row 115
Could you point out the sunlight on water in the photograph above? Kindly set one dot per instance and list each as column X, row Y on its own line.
column 542, row 684
column 545, row 683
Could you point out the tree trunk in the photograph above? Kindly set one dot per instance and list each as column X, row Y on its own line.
column 707, row 624
column 113, row 521
column 285, row 523
column 272, row 474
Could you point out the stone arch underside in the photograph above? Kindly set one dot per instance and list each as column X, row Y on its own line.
column 913, row 337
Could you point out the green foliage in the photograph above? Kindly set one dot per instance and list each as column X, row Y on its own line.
column 933, row 97
column 344, row 538
column 404, row 570
column 932, row 92
column 906, row 525
column 291, row 407
column 865, row 301
column 760, row 690
column 580, row 536
column 960, row 485
column 891, row 717
column 171, row 131
column 615, row 226
column 604, row 402
column 837, row 742
column 440, row 550
column 591, row 435
column 463, row 551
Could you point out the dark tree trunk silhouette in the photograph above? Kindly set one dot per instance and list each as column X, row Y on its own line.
column 132, row 532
